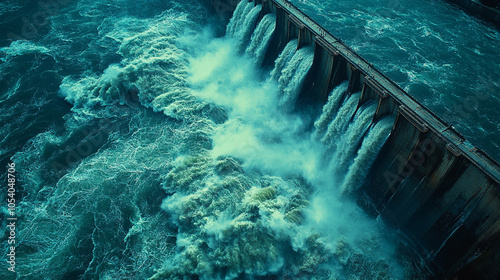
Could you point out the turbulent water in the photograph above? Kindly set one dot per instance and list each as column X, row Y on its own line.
column 448, row 60
column 148, row 146
column 261, row 38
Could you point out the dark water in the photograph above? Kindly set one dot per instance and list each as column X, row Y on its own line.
column 147, row 146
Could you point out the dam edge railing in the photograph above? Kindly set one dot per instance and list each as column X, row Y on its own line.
column 477, row 156
column 458, row 144
column 460, row 181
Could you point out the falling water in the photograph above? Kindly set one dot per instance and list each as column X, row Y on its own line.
column 242, row 27
column 239, row 16
column 341, row 121
column 366, row 155
column 204, row 177
column 345, row 131
column 293, row 76
column 283, row 59
column 261, row 38
column 350, row 140
column 330, row 109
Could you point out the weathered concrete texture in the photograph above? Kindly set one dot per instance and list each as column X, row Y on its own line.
column 476, row 8
column 443, row 202
column 428, row 181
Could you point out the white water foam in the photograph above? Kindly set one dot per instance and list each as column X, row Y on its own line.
column 330, row 109
column 242, row 26
column 261, row 38
column 341, row 121
column 349, row 142
column 283, row 59
column 262, row 138
column 366, row 155
column 293, row 76
column 239, row 182
column 238, row 18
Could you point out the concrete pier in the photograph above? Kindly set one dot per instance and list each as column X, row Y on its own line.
column 428, row 181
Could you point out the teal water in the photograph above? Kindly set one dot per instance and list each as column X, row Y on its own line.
column 148, row 146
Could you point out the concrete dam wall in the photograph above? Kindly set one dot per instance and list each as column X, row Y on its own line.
column 434, row 186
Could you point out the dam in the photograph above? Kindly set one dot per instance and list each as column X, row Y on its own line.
column 249, row 140
column 429, row 182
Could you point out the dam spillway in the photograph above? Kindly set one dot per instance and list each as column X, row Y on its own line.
column 428, row 181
